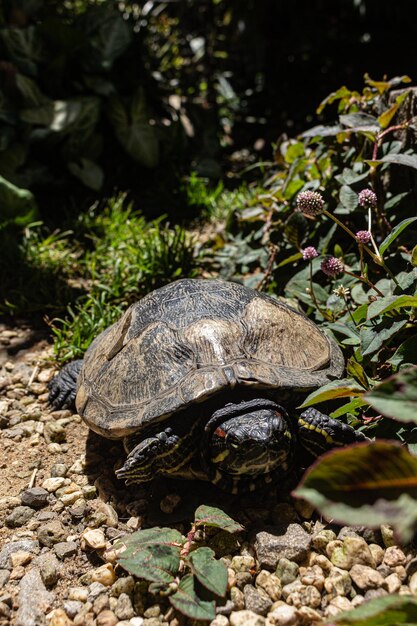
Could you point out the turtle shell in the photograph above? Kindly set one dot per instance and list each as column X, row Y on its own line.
column 191, row 339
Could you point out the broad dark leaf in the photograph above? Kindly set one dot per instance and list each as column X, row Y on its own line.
column 344, row 388
column 396, row 397
column 390, row 303
column 391, row 610
column 211, row 573
column 397, row 230
column 366, row 484
column 410, row 160
column 211, row 516
column 374, row 337
column 406, row 353
column 188, row 603
column 152, row 554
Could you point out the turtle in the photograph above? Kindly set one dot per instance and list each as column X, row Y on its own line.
column 201, row 378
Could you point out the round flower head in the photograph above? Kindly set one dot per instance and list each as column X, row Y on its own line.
column 363, row 236
column 367, row 199
column 332, row 266
column 309, row 253
column 310, row 203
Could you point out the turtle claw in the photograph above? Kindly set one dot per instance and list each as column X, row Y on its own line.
column 63, row 387
column 318, row 432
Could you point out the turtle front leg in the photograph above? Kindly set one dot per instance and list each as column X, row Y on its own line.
column 63, row 387
column 318, row 433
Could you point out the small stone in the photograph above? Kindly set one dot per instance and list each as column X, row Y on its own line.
column 242, row 563
column 256, row 600
column 305, row 595
column 394, row 556
column 365, row 577
column 283, row 615
column 387, row 533
column 78, row 594
column 72, row 608
column 124, row 608
column 20, row 558
column 53, row 484
column 89, row 492
column 293, row 544
column 269, row 583
column 354, row 551
column 322, row 538
column 123, row 585
column 34, row 600
column 65, row 549
column 70, row 498
column 101, row 603
column 287, row 571
column 5, row 611
column 139, row 621
column 246, row 618
column 51, row 533
column 105, row 513
column 19, row 516
column 220, row 620
column 238, row 598
column 337, row 605
column 93, row 538
column 377, row 553
column 25, row 545
column 9, row 502
column 338, row 582
column 412, row 583
column 312, row 576
column 17, row 572
column 54, row 433
column 393, row 583
column 59, row 470
column 58, row 617
column 105, row 575
column 106, row 618
column 35, row 498
column 95, row 589
column 153, row 611
column 4, row 577
column 371, row 594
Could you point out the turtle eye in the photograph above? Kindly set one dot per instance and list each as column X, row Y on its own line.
column 232, row 442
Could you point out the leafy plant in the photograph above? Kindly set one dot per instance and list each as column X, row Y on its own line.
column 177, row 566
column 388, row 611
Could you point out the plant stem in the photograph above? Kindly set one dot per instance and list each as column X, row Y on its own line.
column 366, row 281
column 313, row 295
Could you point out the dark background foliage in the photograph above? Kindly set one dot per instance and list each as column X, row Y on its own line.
column 213, row 76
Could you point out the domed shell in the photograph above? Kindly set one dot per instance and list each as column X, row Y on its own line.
column 191, row 339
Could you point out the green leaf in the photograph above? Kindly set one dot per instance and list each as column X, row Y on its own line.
column 152, row 554
column 391, row 610
column 344, row 388
column 356, row 371
column 18, row 206
column 390, row 303
column 349, row 407
column 360, row 121
column 132, row 128
column 374, row 337
column 406, row 353
column 410, row 160
column 211, row 516
column 188, row 603
column 385, row 118
column 348, row 198
column 367, row 484
column 90, row 174
column 396, row 397
column 296, row 228
column 212, row 574
column 397, row 230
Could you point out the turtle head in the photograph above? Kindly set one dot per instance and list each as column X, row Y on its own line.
column 248, row 439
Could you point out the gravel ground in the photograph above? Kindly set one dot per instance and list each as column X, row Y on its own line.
column 61, row 510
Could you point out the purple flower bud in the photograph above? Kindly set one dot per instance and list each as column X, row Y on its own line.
column 363, row 236
column 367, row 199
column 309, row 253
column 332, row 266
column 310, row 203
